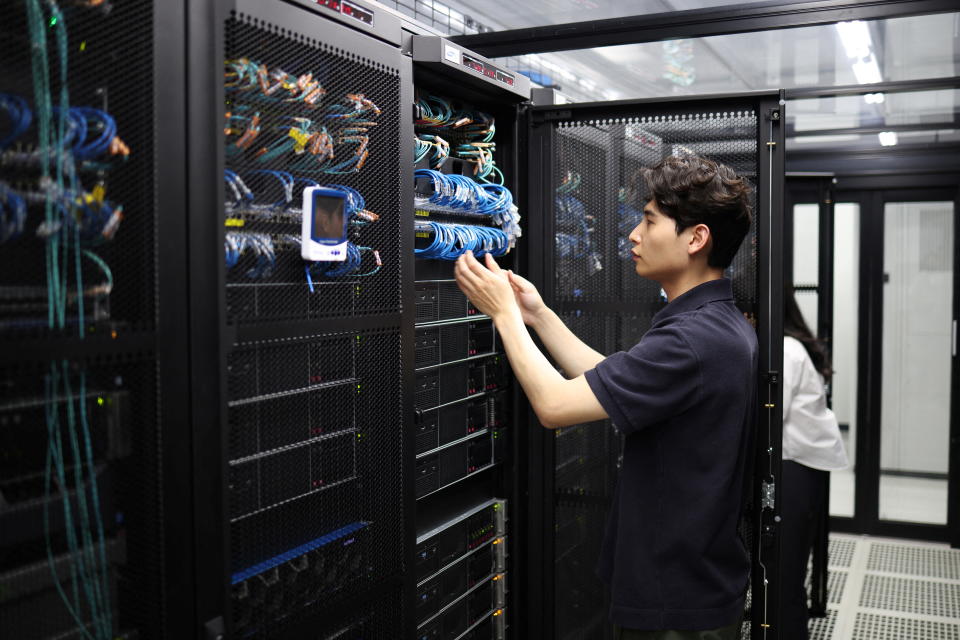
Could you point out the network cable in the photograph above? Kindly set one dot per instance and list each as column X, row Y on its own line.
column 459, row 194
column 89, row 591
column 433, row 146
column 576, row 238
column 450, row 241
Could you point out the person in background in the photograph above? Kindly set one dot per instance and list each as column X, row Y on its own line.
column 811, row 449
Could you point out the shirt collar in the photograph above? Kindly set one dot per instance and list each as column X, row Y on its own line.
column 711, row 291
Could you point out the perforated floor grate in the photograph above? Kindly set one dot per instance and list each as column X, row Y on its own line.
column 841, row 552
column 822, row 628
column 836, row 581
column 911, row 596
column 871, row 626
column 930, row 562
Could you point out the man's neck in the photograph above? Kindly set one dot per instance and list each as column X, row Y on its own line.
column 688, row 280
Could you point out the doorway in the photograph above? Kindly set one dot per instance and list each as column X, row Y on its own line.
column 881, row 286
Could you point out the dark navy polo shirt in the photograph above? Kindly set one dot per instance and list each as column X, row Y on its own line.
column 685, row 398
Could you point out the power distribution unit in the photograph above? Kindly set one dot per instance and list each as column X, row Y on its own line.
column 242, row 396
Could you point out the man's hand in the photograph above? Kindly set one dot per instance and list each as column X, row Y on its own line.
column 528, row 298
column 487, row 287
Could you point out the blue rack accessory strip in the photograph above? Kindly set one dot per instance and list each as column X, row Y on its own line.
column 286, row 556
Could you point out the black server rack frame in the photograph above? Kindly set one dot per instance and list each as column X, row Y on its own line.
column 215, row 333
column 441, row 307
column 543, row 120
column 137, row 357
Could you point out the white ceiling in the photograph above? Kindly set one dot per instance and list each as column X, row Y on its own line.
column 912, row 48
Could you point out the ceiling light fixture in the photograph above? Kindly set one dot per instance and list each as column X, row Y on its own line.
column 887, row 138
column 855, row 37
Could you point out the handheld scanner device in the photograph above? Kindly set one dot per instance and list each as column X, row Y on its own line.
column 323, row 234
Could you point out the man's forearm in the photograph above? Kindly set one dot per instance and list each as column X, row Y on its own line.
column 540, row 381
column 569, row 351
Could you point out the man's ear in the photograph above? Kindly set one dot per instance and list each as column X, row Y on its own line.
column 699, row 240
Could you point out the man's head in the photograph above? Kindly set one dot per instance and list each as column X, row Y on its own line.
column 697, row 216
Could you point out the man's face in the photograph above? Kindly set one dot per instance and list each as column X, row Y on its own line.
column 658, row 252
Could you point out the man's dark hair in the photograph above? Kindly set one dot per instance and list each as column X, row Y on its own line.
column 694, row 190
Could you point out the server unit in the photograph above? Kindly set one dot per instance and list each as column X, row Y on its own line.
column 461, row 575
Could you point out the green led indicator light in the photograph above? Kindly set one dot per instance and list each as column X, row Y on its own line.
column 83, row 46
column 53, row 21
column 100, row 401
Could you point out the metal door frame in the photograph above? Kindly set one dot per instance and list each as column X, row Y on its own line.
column 540, row 225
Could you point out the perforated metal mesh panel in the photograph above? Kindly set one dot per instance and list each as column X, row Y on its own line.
column 870, row 626
column 911, row 596
column 256, row 292
column 315, row 488
column 378, row 622
column 600, row 198
column 840, row 552
column 822, row 628
column 585, row 463
column 105, row 50
column 918, row 561
column 597, row 202
column 836, row 581
column 113, row 408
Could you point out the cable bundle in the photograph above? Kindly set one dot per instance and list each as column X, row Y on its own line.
column 305, row 144
column 349, row 267
column 89, row 215
column 450, row 241
column 436, row 147
column 260, row 244
column 19, row 115
column 460, row 194
column 479, row 150
column 13, row 213
column 70, row 473
column 571, row 214
column 436, row 112
column 84, row 123
column 247, row 75
column 455, row 192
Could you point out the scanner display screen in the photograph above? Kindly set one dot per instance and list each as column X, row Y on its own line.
column 327, row 218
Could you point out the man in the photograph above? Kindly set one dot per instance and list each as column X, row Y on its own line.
column 684, row 397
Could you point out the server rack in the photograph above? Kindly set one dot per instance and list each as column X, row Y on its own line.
column 303, row 464
column 582, row 158
column 93, row 326
column 465, row 396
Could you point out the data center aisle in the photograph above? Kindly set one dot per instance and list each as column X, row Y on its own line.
column 884, row 589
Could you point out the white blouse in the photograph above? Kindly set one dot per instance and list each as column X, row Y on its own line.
column 811, row 435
